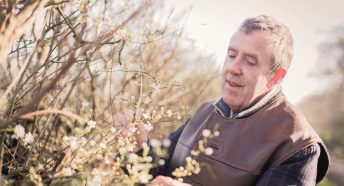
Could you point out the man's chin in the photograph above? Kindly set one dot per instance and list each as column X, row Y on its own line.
column 228, row 101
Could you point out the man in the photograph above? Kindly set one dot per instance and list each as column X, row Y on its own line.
column 263, row 139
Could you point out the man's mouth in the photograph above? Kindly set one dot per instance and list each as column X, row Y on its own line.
column 233, row 84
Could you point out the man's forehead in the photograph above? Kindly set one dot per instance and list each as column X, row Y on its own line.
column 256, row 38
column 258, row 44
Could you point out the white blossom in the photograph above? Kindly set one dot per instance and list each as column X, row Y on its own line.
column 85, row 104
column 206, row 133
column 19, row 132
column 102, row 145
column 208, row 151
column 137, row 167
column 91, row 124
column 73, row 142
column 95, row 171
column 113, row 130
column 146, row 116
column 148, row 127
column 166, row 142
column 132, row 157
column 149, row 159
column 92, row 143
column 67, row 171
column 169, row 113
column 98, row 157
column 155, row 86
column 106, row 160
column 130, row 148
column 158, row 116
column 121, row 141
column 97, row 178
column 147, row 100
column 28, row 138
column 19, row 6
column 121, row 33
column 161, row 162
column 178, row 116
column 133, row 129
column 122, row 150
column 144, row 177
column 155, row 143
column 65, row 138
column 83, row 141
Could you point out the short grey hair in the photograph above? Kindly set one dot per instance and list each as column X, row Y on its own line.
column 280, row 35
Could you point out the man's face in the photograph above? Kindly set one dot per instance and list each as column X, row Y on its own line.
column 246, row 70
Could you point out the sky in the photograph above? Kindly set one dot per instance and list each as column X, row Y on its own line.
column 211, row 23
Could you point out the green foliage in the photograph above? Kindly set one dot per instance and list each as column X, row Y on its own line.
column 326, row 182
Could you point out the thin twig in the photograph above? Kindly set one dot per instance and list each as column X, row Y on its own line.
column 18, row 76
column 40, row 95
column 54, row 111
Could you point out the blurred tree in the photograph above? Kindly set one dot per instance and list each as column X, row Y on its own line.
column 330, row 66
column 330, row 63
column 325, row 111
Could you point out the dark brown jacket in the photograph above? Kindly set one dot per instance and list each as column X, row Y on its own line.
column 246, row 147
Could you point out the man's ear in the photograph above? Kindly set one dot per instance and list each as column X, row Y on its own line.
column 277, row 77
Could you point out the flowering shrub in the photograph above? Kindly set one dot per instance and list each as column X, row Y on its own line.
column 192, row 166
column 70, row 71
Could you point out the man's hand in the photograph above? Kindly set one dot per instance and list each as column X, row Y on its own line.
column 125, row 125
column 166, row 181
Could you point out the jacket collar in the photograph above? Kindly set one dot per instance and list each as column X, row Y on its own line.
column 222, row 108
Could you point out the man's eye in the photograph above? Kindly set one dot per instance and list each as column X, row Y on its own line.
column 231, row 56
column 251, row 63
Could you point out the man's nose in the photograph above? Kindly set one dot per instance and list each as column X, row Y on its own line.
column 233, row 66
